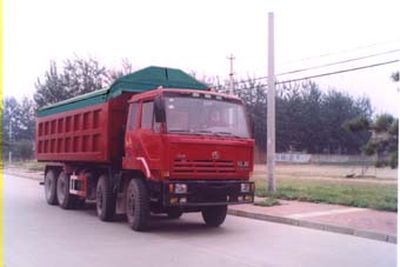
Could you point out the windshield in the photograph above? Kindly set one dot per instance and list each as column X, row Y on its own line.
column 205, row 116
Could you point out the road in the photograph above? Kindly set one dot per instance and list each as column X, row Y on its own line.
column 36, row 234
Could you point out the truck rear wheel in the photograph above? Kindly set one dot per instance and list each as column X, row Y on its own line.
column 50, row 187
column 65, row 199
column 214, row 216
column 105, row 199
column 137, row 205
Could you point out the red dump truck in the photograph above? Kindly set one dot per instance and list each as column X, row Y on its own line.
column 155, row 141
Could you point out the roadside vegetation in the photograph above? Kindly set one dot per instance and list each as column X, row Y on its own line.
column 267, row 202
column 357, row 194
column 29, row 165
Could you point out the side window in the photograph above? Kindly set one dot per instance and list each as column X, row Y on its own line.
column 147, row 115
column 133, row 115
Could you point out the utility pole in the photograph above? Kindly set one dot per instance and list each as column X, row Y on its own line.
column 231, row 58
column 271, row 107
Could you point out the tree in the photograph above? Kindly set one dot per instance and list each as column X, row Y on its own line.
column 312, row 99
column 396, row 76
column 18, row 127
column 23, row 149
column 113, row 74
column 307, row 119
column 10, row 117
column 384, row 139
column 77, row 76
column 26, row 120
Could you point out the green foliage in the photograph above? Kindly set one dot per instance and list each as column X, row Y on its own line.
column 20, row 118
column 267, row 202
column 370, row 148
column 382, row 123
column 364, row 195
column 77, row 76
column 307, row 118
column 394, row 159
column 385, row 140
column 23, row 149
column 394, row 128
column 357, row 124
column 396, row 76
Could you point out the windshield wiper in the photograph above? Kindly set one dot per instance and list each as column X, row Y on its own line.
column 179, row 131
column 226, row 133
column 204, row 131
column 183, row 131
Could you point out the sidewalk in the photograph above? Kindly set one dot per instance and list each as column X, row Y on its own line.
column 367, row 223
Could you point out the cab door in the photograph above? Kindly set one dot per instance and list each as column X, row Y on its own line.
column 131, row 137
column 144, row 138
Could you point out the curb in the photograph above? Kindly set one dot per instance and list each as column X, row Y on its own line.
column 316, row 225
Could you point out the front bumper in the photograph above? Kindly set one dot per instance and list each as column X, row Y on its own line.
column 207, row 193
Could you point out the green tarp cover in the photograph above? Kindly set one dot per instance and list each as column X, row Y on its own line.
column 139, row 81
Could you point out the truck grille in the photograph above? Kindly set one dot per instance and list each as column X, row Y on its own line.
column 203, row 166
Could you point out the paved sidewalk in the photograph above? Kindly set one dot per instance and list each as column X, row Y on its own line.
column 367, row 223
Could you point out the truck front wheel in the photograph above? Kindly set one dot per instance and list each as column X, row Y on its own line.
column 50, row 187
column 105, row 199
column 214, row 216
column 65, row 199
column 137, row 205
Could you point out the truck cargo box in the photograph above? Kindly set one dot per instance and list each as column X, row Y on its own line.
column 90, row 127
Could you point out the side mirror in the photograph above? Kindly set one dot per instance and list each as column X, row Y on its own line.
column 159, row 109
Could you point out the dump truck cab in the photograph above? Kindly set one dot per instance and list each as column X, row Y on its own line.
column 195, row 146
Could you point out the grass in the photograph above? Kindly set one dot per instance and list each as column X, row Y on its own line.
column 364, row 195
column 267, row 202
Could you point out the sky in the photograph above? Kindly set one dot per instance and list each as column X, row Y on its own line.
column 198, row 36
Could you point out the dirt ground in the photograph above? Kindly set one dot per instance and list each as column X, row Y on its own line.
column 329, row 172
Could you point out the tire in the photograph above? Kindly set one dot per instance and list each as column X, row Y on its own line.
column 137, row 205
column 64, row 198
column 50, row 187
column 105, row 199
column 174, row 214
column 214, row 216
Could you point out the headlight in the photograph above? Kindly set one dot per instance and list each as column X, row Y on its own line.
column 180, row 189
column 245, row 187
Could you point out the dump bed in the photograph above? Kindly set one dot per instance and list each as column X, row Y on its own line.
column 90, row 127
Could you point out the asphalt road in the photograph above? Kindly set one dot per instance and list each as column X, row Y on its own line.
column 36, row 234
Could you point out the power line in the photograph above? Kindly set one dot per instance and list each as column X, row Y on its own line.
column 342, row 51
column 341, row 71
column 326, row 65
column 339, row 62
column 333, row 63
column 325, row 74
